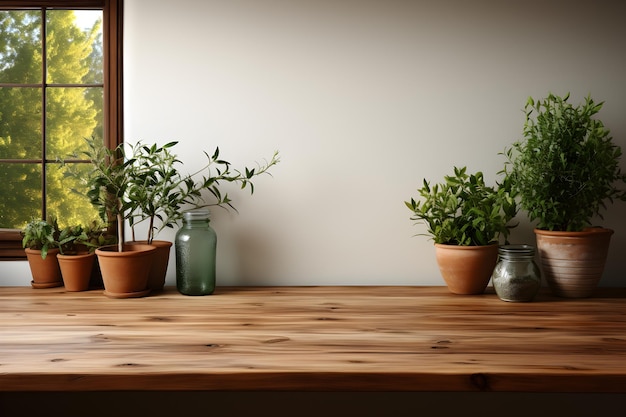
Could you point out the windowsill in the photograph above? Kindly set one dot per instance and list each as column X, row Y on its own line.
column 11, row 245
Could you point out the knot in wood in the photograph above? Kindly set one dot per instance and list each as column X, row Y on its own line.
column 480, row 381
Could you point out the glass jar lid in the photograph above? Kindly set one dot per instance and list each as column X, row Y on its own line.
column 197, row 215
column 516, row 251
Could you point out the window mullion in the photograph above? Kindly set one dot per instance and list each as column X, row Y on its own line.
column 44, row 85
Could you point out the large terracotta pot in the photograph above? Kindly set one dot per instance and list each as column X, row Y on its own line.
column 466, row 269
column 46, row 272
column 158, row 270
column 125, row 274
column 573, row 262
column 76, row 270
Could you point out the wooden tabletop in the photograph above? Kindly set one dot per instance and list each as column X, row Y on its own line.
column 311, row 339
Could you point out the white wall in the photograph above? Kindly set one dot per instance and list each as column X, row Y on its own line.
column 363, row 98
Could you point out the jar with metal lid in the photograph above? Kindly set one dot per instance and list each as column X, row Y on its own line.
column 516, row 276
column 195, row 246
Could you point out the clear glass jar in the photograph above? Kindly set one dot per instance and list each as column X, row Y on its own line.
column 516, row 276
column 195, row 246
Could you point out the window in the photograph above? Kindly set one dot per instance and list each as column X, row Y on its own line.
column 60, row 82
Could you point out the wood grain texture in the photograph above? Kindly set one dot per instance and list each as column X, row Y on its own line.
column 311, row 339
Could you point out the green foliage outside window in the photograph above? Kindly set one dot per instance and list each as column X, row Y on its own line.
column 73, row 112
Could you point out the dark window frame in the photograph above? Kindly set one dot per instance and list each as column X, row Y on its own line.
column 112, row 10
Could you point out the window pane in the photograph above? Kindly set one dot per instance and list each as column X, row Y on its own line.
column 50, row 101
column 20, row 194
column 73, row 114
column 74, row 46
column 20, row 47
column 66, row 196
column 20, row 123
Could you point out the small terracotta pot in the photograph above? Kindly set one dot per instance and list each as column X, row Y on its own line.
column 76, row 270
column 466, row 269
column 573, row 262
column 125, row 274
column 158, row 270
column 46, row 272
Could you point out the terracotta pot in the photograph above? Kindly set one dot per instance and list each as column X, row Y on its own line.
column 158, row 270
column 46, row 272
column 76, row 270
column 125, row 274
column 573, row 262
column 466, row 269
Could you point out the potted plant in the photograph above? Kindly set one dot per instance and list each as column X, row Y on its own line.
column 565, row 170
column 465, row 218
column 159, row 194
column 124, row 269
column 76, row 263
column 77, row 257
column 144, row 184
column 40, row 239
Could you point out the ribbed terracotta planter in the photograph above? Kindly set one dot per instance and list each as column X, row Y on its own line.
column 573, row 262
column 125, row 274
column 46, row 272
column 158, row 270
column 466, row 269
column 76, row 270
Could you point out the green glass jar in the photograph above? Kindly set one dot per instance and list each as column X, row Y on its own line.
column 516, row 276
column 195, row 245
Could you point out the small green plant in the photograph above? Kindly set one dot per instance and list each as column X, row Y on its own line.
column 97, row 235
column 566, row 168
column 463, row 210
column 78, row 238
column 70, row 239
column 41, row 235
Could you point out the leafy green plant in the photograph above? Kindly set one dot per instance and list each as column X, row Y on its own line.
column 143, row 183
column 70, row 239
column 78, row 238
column 566, row 168
column 107, row 181
column 463, row 210
column 158, row 192
column 97, row 235
column 41, row 235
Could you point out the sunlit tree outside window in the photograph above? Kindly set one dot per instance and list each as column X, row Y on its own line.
column 51, row 99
